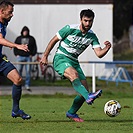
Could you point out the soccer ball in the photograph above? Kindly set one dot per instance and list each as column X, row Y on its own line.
column 112, row 108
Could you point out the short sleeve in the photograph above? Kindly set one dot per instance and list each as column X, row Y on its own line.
column 64, row 32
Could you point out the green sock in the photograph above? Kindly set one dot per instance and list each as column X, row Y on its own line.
column 80, row 88
column 77, row 103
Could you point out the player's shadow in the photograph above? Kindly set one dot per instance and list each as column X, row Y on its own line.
column 90, row 120
column 109, row 120
column 31, row 121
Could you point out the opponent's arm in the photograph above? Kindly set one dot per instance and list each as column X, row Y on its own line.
column 50, row 46
column 9, row 44
column 102, row 52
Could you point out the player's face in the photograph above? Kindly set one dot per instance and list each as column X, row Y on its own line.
column 7, row 13
column 86, row 23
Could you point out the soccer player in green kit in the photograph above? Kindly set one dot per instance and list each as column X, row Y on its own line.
column 73, row 40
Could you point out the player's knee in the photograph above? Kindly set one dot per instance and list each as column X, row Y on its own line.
column 73, row 76
column 18, row 81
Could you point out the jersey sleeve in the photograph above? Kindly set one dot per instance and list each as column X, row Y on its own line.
column 3, row 29
column 0, row 28
column 64, row 32
column 95, row 43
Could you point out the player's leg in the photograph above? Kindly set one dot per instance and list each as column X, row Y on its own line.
column 63, row 66
column 78, row 100
column 11, row 73
column 76, row 105
column 80, row 85
column 16, row 94
column 16, row 88
column 73, row 76
column 60, row 65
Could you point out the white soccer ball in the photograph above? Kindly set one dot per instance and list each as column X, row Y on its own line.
column 112, row 108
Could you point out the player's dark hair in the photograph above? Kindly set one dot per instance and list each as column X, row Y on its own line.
column 5, row 3
column 87, row 13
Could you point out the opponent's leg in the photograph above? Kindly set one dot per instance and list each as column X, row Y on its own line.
column 16, row 94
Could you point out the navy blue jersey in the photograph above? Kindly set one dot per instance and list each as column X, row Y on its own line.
column 3, row 32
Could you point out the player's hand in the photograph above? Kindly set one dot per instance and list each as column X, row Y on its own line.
column 23, row 47
column 107, row 44
column 44, row 60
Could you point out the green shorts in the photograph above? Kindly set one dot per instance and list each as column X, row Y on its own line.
column 61, row 62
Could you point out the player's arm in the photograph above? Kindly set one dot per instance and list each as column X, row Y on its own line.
column 50, row 46
column 100, row 52
column 9, row 44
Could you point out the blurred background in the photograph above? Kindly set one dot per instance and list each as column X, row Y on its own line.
column 113, row 22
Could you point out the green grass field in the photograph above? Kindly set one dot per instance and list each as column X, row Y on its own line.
column 48, row 116
column 48, row 113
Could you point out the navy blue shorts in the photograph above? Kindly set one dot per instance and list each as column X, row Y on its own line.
column 5, row 67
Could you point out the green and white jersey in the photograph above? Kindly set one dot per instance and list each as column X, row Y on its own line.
column 73, row 42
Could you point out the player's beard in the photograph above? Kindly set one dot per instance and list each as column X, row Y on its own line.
column 7, row 19
column 86, row 29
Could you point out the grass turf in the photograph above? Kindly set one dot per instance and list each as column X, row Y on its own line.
column 48, row 112
column 48, row 116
